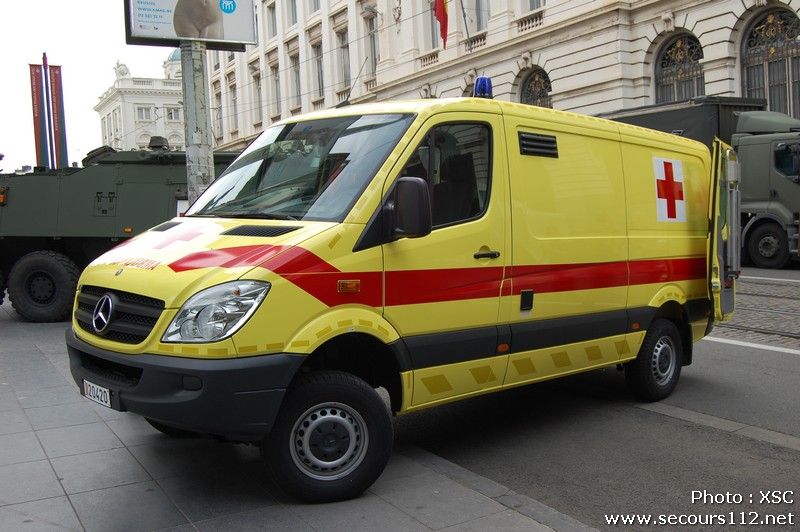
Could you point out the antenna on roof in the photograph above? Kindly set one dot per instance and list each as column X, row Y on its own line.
column 346, row 101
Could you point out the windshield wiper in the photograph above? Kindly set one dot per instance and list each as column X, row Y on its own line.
column 254, row 215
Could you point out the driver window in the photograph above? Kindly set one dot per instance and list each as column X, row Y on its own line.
column 454, row 159
column 787, row 159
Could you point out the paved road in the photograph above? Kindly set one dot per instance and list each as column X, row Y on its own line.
column 582, row 445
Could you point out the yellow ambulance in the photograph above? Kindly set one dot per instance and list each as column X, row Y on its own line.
column 437, row 249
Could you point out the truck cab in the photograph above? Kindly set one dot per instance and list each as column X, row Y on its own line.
column 768, row 145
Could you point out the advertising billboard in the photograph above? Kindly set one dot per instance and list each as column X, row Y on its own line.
column 222, row 24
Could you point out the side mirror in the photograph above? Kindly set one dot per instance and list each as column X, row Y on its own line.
column 411, row 208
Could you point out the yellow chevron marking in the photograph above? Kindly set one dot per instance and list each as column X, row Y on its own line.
column 324, row 331
column 248, row 349
column 561, row 359
column 524, row 366
column 483, row 374
column 437, row 384
column 594, row 353
column 217, row 351
column 622, row 347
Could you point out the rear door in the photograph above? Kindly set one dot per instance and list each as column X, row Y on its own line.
column 724, row 241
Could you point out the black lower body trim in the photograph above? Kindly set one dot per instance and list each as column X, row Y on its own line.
column 236, row 398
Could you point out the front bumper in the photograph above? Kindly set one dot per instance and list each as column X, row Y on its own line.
column 236, row 398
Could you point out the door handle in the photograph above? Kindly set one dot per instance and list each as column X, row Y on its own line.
column 486, row 254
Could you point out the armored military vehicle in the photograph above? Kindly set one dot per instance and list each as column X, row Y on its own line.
column 54, row 222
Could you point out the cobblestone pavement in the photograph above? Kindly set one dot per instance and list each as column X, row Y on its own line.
column 767, row 312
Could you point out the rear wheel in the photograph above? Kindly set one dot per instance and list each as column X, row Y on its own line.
column 41, row 286
column 332, row 438
column 768, row 246
column 654, row 373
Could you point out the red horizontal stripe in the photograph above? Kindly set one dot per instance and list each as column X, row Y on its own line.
column 567, row 277
column 409, row 287
column 667, row 270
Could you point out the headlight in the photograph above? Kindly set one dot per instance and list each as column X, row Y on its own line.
column 217, row 312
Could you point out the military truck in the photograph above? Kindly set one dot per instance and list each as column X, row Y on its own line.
column 54, row 222
column 768, row 146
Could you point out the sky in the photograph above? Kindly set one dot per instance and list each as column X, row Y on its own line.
column 86, row 38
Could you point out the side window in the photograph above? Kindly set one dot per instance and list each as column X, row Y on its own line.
column 455, row 161
column 787, row 159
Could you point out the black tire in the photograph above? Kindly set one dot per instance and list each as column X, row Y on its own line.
column 654, row 373
column 768, row 246
column 171, row 431
column 351, row 428
column 41, row 286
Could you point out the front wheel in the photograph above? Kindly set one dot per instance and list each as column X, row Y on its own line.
column 654, row 373
column 332, row 438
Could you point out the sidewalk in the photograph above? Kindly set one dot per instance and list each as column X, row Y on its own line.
column 66, row 463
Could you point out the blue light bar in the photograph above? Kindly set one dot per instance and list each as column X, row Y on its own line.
column 483, row 87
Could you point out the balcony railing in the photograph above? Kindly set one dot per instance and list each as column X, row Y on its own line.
column 529, row 22
column 370, row 84
column 429, row 59
column 475, row 42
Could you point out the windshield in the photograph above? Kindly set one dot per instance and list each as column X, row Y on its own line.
column 312, row 170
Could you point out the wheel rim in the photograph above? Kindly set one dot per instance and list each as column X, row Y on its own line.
column 41, row 287
column 768, row 246
column 329, row 441
column 663, row 361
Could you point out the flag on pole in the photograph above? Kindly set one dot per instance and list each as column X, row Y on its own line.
column 39, row 117
column 57, row 117
column 440, row 12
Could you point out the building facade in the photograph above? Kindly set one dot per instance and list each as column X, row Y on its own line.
column 587, row 57
column 134, row 109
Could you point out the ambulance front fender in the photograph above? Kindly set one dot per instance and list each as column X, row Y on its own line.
column 339, row 321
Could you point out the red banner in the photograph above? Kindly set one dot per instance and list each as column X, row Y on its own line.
column 440, row 12
column 39, row 116
column 57, row 116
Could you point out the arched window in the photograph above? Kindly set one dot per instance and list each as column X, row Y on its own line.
column 679, row 75
column 771, row 61
column 536, row 88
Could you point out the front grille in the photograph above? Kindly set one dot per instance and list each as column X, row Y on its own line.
column 111, row 371
column 132, row 320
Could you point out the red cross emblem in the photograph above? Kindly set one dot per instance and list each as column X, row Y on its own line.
column 670, row 189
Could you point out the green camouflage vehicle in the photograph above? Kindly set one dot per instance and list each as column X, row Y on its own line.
column 54, row 222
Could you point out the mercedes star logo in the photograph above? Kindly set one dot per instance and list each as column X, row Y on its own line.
column 102, row 313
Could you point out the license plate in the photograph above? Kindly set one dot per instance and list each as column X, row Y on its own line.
column 96, row 393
